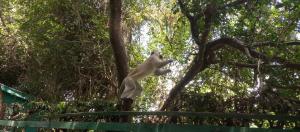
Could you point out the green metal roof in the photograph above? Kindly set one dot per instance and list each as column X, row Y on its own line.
column 12, row 95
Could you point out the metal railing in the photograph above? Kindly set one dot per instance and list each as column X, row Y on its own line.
column 54, row 122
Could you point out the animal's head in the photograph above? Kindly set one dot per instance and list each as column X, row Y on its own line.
column 157, row 53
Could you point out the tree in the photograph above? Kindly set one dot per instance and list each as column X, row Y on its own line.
column 202, row 20
column 117, row 40
column 2, row 105
column 237, row 56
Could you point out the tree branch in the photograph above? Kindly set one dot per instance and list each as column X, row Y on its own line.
column 184, row 9
column 208, row 14
column 234, row 43
column 117, row 41
column 199, row 65
column 275, row 44
column 253, row 66
column 240, row 65
column 192, row 72
column 193, row 22
column 295, row 86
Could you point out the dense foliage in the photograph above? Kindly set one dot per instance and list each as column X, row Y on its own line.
column 61, row 48
column 59, row 51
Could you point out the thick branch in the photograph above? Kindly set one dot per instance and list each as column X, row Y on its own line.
column 275, row 44
column 293, row 86
column 253, row 66
column 291, row 65
column 2, row 104
column 116, row 39
column 119, row 51
column 240, row 65
column 192, row 72
column 234, row 43
column 195, row 30
column 208, row 14
column 199, row 64
column 193, row 22
column 184, row 10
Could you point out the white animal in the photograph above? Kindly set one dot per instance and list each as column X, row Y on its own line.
column 153, row 64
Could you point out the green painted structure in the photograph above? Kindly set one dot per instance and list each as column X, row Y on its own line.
column 144, row 127
column 135, row 127
column 12, row 95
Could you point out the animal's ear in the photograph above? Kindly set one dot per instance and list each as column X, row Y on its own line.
column 155, row 52
column 152, row 52
column 160, row 57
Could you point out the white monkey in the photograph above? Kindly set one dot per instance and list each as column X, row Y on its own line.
column 151, row 65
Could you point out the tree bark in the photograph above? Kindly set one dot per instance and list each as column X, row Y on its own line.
column 117, row 41
column 2, row 105
column 192, row 72
column 119, row 51
column 199, row 63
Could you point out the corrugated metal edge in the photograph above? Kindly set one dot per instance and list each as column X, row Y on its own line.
column 15, row 92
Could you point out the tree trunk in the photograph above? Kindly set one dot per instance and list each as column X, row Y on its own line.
column 116, row 39
column 2, row 105
column 192, row 72
column 119, row 51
